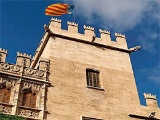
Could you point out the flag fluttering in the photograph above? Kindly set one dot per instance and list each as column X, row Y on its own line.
column 59, row 9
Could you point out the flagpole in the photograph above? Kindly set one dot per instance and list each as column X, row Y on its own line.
column 74, row 16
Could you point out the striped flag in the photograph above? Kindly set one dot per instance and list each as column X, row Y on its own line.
column 59, row 9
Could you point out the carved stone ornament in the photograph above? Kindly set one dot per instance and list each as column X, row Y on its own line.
column 28, row 113
column 34, row 90
column 29, row 71
column 6, row 108
column 5, row 66
column 39, row 73
column 8, row 85
column 30, row 87
column 16, row 68
column 29, row 82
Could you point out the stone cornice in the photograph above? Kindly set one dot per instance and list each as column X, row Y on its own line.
column 88, row 42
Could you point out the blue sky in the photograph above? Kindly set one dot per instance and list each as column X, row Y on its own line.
column 21, row 29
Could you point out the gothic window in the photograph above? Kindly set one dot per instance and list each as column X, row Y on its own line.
column 29, row 99
column 89, row 118
column 5, row 94
column 92, row 78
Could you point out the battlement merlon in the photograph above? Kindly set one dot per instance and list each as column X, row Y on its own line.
column 72, row 27
column 3, row 51
column 3, row 54
column 149, row 96
column 121, row 39
column 105, row 36
column 23, row 59
column 55, row 23
column 89, row 34
column 151, row 100
column 89, row 31
column 24, row 55
column 104, row 31
column 120, row 35
column 44, row 64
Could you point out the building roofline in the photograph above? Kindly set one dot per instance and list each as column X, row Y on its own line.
column 45, row 39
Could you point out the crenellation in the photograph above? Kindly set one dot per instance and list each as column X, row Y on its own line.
column 72, row 23
column 63, row 66
column 89, row 33
column 72, row 27
column 104, row 31
column 56, row 20
column 55, row 23
column 23, row 55
column 3, row 54
column 3, row 51
column 149, row 96
column 120, row 35
column 44, row 64
column 121, row 40
column 23, row 59
column 151, row 100
column 88, row 28
column 105, row 36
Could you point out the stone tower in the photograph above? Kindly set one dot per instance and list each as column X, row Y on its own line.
column 92, row 77
column 74, row 76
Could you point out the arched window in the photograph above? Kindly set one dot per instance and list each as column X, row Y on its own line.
column 29, row 99
column 5, row 94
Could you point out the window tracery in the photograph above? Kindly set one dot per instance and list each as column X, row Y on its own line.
column 5, row 94
column 29, row 98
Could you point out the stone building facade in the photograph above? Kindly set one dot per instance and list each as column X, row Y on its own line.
column 74, row 76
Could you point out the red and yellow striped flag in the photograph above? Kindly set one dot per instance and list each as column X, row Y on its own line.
column 59, row 9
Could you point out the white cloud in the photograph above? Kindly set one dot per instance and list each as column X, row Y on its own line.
column 148, row 40
column 152, row 73
column 123, row 16
column 120, row 15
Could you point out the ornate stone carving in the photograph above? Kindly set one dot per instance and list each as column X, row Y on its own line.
column 28, row 112
column 28, row 71
column 6, row 108
column 31, row 85
column 34, row 90
column 8, row 81
column 9, row 85
column 34, row 73
column 39, row 74
column 9, row 68
column 15, row 68
column 5, row 66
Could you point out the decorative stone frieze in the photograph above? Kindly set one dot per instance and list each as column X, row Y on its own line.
column 33, row 73
column 29, row 83
column 6, row 108
column 10, row 68
column 28, row 112
column 8, row 81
